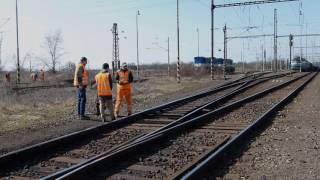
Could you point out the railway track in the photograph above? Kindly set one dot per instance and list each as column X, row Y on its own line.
column 176, row 151
column 63, row 152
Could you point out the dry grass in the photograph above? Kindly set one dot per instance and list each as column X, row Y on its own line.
column 29, row 109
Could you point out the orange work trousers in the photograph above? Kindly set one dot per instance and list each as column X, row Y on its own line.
column 126, row 94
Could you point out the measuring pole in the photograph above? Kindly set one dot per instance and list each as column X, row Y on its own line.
column 178, row 43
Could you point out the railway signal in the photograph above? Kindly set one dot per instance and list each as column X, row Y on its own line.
column 290, row 45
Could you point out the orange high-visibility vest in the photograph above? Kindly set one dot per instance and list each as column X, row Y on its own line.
column 124, row 79
column 103, row 85
column 84, row 76
column 42, row 75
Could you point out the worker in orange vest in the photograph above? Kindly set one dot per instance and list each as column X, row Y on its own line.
column 81, row 82
column 103, row 81
column 41, row 76
column 124, row 79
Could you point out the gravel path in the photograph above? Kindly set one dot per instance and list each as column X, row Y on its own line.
column 289, row 148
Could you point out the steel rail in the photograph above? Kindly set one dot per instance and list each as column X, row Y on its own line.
column 167, row 133
column 188, row 116
column 215, row 102
column 200, row 168
column 137, row 139
column 24, row 154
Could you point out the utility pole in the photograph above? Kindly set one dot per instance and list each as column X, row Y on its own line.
column 212, row 39
column 242, row 59
column 168, row 57
column 225, row 51
column 198, row 41
column 275, row 41
column 257, row 60
column 1, row 40
column 17, row 29
column 300, row 22
column 264, row 59
column 242, row 62
column 30, row 65
column 306, row 41
column 137, row 26
column 178, row 44
column 115, row 52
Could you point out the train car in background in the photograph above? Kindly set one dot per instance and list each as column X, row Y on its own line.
column 305, row 65
column 217, row 62
column 201, row 61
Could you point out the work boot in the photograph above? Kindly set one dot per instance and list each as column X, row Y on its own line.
column 84, row 117
column 103, row 118
column 98, row 109
column 116, row 115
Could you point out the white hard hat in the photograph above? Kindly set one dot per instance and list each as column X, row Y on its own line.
column 124, row 64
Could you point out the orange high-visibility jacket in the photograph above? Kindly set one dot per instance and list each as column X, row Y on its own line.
column 41, row 74
column 84, row 76
column 123, row 82
column 103, row 85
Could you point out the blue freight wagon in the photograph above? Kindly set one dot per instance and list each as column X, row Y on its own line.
column 217, row 62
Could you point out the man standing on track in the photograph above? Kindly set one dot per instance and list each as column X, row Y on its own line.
column 103, row 81
column 81, row 82
column 124, row 79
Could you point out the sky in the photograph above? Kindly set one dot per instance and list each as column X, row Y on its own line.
column 86, row 29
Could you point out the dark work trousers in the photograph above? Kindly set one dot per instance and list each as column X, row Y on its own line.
column 82, row 99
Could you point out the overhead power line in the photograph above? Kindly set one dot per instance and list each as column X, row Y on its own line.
column 213, row 7
column 250, row 3
column 271, row 35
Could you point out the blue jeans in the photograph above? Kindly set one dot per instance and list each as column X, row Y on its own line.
column 82, row 99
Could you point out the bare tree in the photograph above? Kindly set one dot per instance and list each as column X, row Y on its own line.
column 53, row 45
